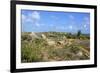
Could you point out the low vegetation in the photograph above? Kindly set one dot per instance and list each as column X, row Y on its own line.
column 54, row 46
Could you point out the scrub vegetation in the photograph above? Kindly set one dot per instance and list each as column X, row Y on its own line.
column 54, row 46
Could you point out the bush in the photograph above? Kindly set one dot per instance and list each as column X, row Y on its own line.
column 31, row 52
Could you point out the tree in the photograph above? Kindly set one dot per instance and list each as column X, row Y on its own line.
column 78, row 33
column 69, row 35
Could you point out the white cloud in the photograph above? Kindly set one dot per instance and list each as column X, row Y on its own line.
column 71, row 17
column 37, row 24
column 85, row 25
column 86, row 20
column 70, row 27
column 42, row 24
column 35, row 15
column 60, row 27
column 51, row 25
column 23, row 17
column 54, row 17
column 29, row 20
column 32, row 18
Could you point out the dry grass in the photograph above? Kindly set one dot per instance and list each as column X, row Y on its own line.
column 64, row 48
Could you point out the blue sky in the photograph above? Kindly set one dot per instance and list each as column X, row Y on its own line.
column 45, row 21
